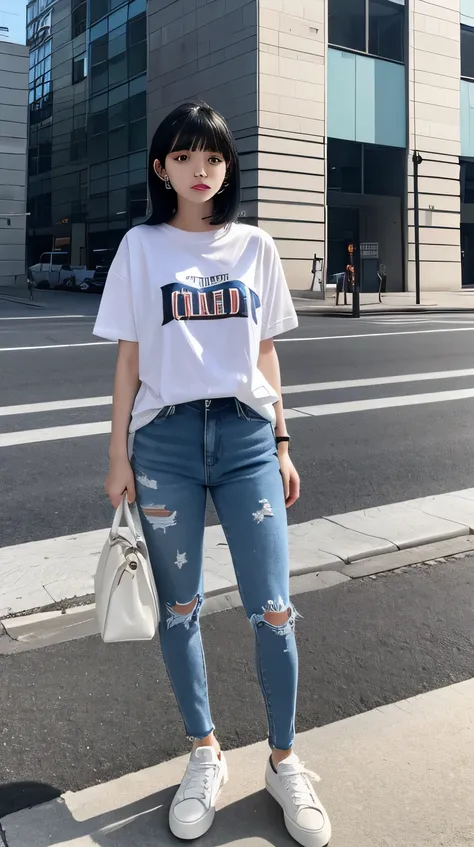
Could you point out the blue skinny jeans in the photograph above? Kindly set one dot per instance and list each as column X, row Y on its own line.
column 226, row 448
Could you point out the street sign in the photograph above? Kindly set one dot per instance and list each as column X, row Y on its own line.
column 369, row 250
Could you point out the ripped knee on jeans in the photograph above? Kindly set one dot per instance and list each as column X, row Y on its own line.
column 184, row 613
column 277, row 617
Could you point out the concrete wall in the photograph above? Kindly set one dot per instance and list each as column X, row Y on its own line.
column 434, row 130
column 14, row 67
column 208, row 50
column 292, row 131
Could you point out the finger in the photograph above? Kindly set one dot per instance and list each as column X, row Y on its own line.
column 294, row 492
column 131, row 494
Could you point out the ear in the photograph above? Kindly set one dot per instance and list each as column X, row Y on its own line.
column 160, row 172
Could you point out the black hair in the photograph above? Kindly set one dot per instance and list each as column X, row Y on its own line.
column 193, row 126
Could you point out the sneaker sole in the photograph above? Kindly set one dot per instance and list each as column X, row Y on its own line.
column 301, row 836
column 191, row 831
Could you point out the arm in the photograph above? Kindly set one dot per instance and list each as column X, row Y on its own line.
column 126, row 385
column 269, row 366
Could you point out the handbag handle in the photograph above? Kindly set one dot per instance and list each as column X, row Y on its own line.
column 132, row 519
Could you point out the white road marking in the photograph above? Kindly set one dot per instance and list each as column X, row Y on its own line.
column 46, row 317
column 56, row 346
column 60, row 433
column 54, row 406
column 386, row 402
column 373, row 334
column 378, row 380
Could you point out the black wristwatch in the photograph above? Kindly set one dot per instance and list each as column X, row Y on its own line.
column 283, row 439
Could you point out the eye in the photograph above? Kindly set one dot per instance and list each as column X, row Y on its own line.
column 216, row 160
column 182, row 157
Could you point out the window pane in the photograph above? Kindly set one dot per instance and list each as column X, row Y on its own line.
column 118, row 166
column 98, row 171
column 347, row 23
column 118, row 18
column 137, row 30
column 98, row 30
column 118, row 69
column 99, row 123
column 118, row 143
column 137, row 160
column 98, row 9
column 99, row 77
column 387, row 29
column 467, row 51
column 118, row 114
column 99, row 52
column 118, row 44
column 137, row 85
column 138, row 106
column 136, row 8
column 97, row 104
column 118, row 94
column 344, row 166
column 137, row 59
column 384, row 171
column 138, row 136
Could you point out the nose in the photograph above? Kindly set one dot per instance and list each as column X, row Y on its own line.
column 201, row 171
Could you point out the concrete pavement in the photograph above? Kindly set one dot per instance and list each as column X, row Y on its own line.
column 310, row 302
column 39, row 574
column 398, row 776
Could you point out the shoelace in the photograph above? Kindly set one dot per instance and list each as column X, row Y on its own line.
column 198, row 780
column 297, row 783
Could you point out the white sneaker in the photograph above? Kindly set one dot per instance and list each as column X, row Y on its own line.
column 194, row 806
column 305, row 816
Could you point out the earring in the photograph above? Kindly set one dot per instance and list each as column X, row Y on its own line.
column 168, row 185
column 224, row 186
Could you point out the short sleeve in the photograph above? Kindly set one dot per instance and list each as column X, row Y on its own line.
column 115, row 319
column 278, row 312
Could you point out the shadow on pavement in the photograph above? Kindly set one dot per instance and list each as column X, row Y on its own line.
column 143, row 822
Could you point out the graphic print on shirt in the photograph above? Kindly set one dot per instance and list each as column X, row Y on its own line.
column 208, row 298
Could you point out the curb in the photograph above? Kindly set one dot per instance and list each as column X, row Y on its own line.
column 22, row 301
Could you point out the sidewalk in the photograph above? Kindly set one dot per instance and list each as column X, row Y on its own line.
column 398, row 776
column 310, row 303
column 38, row 574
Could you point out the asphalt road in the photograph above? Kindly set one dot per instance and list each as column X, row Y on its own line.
column 347, row 461
column 82, row 712
column 66, row 710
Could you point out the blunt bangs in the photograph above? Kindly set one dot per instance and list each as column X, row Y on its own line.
column 193, row 126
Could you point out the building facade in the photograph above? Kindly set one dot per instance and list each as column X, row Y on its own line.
column 329, row 101
column 13, row 160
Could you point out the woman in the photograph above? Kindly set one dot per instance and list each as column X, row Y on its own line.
column 195, row 300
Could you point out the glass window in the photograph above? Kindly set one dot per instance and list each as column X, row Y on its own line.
column 99, row 186
column 99, row 77
column 99, row 30
column 118, row 166
column 98, row 103
column 137, row 59
column 79, row 20
column 137, row 160
column 117, row 43
column 118, row 181
column 344, row 166
column 98, row 171
column 118, row 114
column 98, row 207
column 138, row 106
column 99, row 51
column 384, row 170
column 467, row 51
column 138, row 135
column 137, row 30
column 137, row 85
column 136, row 8
column 98, row 9
column 118, row 142
column 99, row 123
column 118, row 69
column 98, row 151
column 118, row 18
column 118, row 94
column 467, row 181
column 79, row 69
column 117, row 201
column 387, row 29
column 347, row 23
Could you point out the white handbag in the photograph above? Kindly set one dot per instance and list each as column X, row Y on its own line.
column 125, row 591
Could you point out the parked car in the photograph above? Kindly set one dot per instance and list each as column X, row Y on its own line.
column 54, row 271
column 94, row 284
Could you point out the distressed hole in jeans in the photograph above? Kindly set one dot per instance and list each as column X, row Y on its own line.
column 181, row 559
column 265, row 511
column 143, row 479
column 159, row 517
column 184, row 613
column 278, row 617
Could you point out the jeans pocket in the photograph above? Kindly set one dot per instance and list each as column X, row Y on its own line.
column 251, row 415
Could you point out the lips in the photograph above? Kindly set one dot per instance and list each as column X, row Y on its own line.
column 201, row 187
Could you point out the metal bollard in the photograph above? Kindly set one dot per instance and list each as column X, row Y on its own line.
column 356, row 299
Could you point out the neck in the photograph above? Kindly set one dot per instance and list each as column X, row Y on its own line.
column 192, row 217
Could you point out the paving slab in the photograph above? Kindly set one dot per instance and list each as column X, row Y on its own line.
column 398, row 776
column 402, row 524
column 345, row 543
column 447, row 506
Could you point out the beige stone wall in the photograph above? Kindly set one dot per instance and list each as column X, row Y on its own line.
column 291, row 131
column 434, row 130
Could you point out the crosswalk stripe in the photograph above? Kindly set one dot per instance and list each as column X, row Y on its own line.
column 59, row 433
column 54, row 406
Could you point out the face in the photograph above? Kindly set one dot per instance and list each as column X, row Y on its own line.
column 196, row 175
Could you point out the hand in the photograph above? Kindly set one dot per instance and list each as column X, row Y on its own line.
column 290, row 477
column 120, row 479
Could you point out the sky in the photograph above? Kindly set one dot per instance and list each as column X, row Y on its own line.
column 13, row 15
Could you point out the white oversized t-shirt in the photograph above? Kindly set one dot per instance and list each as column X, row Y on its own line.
column 198, row 303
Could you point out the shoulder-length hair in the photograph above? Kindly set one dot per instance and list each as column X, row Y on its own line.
column 193, row 126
